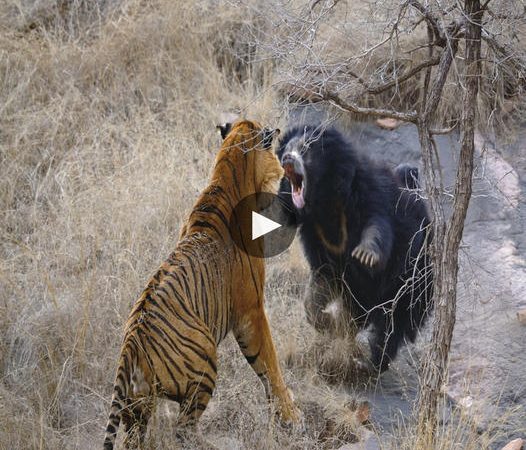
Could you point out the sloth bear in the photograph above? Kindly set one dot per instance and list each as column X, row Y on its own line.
column 365, row 232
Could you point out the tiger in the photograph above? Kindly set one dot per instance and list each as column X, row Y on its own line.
column 206, row 288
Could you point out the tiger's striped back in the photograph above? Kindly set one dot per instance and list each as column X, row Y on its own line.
column 206, row 288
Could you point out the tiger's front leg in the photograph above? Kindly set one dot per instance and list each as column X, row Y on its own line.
column 254, row 339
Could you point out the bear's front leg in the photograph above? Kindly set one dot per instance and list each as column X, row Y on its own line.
column 376, row 243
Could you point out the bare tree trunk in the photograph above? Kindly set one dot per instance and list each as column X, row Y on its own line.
column 445, row 31
column 448, row 236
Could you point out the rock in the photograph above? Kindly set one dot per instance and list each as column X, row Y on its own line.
column 388, row 124
column 521, row 315
column 516, row 444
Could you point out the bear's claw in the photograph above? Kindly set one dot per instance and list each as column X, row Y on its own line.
column 366, row 255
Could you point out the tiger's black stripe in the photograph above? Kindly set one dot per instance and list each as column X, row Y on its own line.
column 193, row 300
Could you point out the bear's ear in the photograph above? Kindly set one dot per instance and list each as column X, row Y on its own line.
column 268, row 136
column 224, row 129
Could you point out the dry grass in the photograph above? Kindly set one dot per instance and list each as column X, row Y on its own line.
column 107, row 115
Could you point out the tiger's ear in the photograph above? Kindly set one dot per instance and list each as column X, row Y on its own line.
column 269, row 135
column 224, row 129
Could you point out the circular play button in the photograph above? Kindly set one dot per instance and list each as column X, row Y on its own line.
column 259, row 227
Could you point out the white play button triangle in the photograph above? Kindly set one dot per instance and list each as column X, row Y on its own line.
column 252, row 221
column 261, row 225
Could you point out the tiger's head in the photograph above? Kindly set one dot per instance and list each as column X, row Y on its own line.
column 246, row 155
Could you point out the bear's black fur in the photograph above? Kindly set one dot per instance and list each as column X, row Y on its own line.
column 365, row 233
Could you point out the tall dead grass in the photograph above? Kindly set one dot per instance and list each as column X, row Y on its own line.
column 108, row 113
column 105, row 143
column 107, row 133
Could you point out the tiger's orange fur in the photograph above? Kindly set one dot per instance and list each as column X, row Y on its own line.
column 206, row 288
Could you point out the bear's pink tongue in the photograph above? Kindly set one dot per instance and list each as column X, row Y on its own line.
column 297, row 197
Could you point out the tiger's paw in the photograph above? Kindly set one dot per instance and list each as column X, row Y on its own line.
column 289, row 414
column 367, row 254
column 293, row 416
column 292, row 420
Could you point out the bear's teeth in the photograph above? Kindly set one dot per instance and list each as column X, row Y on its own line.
column 297, row 197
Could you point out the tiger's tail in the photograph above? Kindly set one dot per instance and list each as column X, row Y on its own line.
column 118, row 403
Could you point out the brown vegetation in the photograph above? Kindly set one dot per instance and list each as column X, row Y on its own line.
column 107, row 133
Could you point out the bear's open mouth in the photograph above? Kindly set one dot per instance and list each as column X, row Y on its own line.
column 297, row 179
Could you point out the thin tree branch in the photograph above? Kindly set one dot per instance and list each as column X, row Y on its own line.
column 427, row 77
column 438, row 31
column 485, row 5
column 374, row 112
column 435, row 94
column 402, row 78
column 379, row 88
column 316, row 2
column 518, row 63
column 500, row 16
column 315, row 94
column 443, row 130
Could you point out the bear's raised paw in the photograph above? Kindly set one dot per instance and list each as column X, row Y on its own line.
column 367, row 255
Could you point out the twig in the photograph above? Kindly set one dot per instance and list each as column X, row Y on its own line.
column 438, row 31
column 485, row 5
column 518, row 63
column 435, row 94
column 500, row 16
column 379, row 88
column 406, row 76
column 375, row 112
column 316, row 2
column 314, row 94
column 443, row 130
